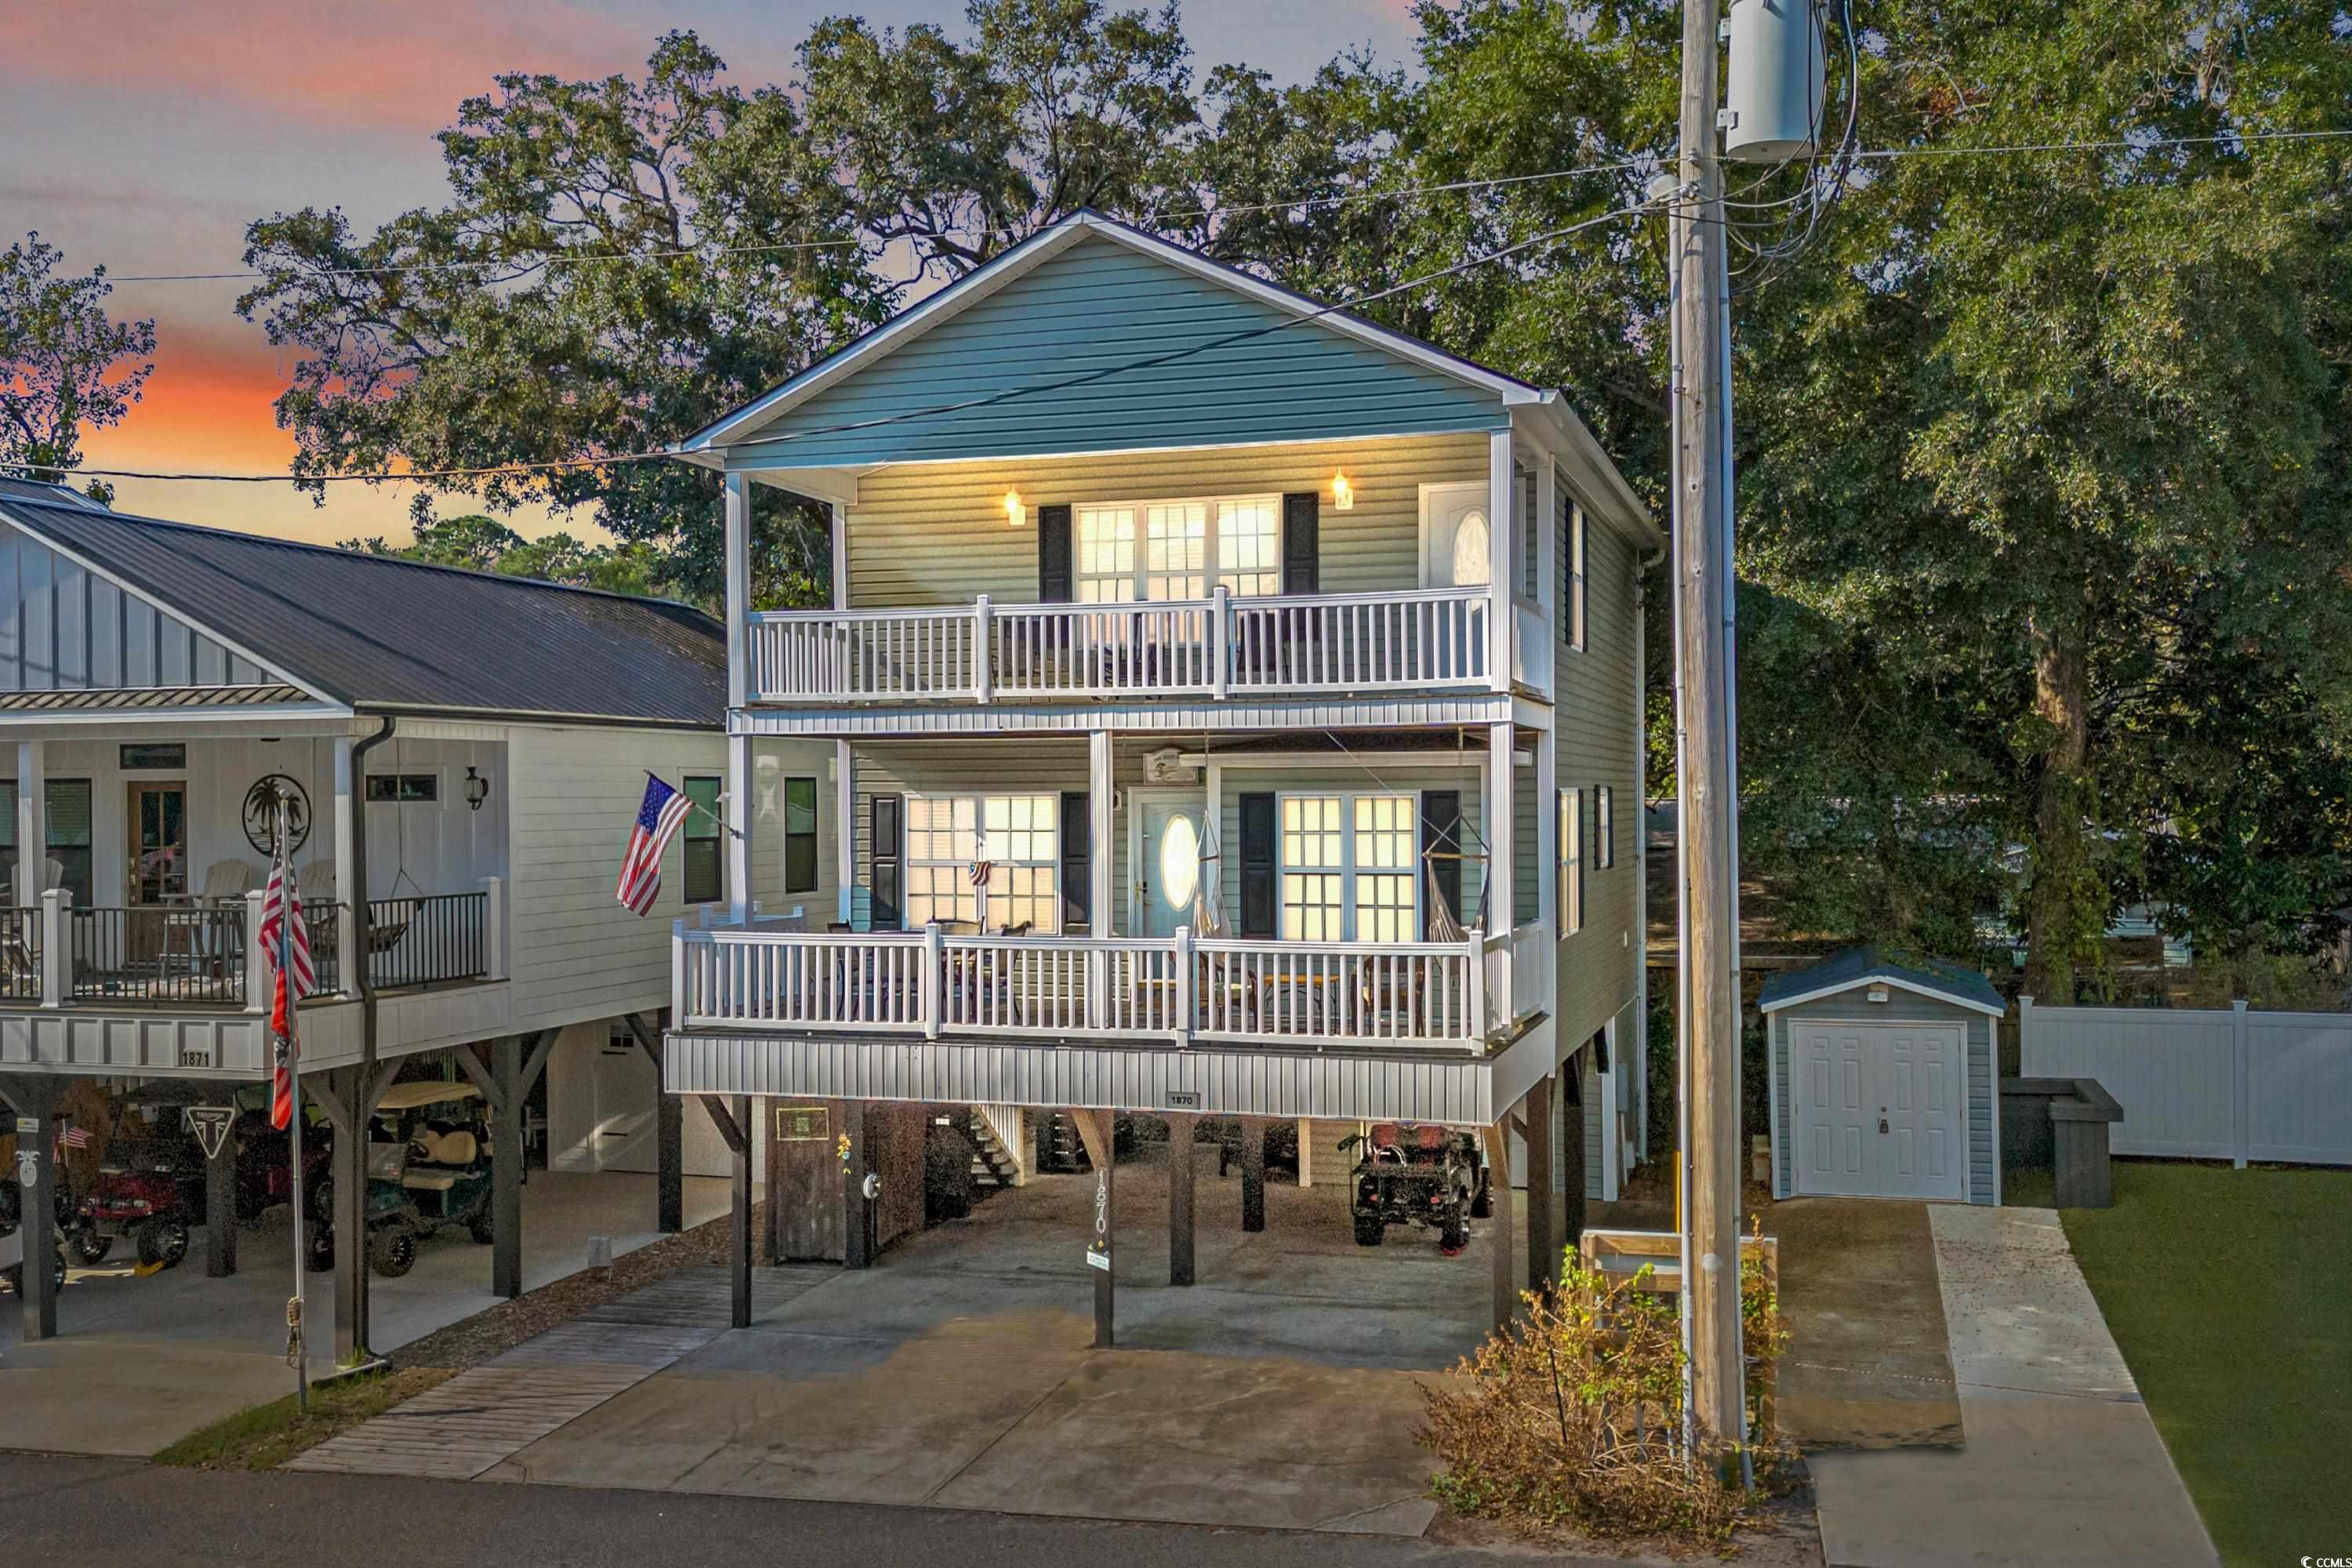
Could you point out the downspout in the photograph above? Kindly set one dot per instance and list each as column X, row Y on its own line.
column 359, row 905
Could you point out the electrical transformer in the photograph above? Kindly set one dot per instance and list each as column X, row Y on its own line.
column 1773, row 93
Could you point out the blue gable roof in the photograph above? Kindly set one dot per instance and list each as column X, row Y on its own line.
column 1859, row 965
column 1235, row 366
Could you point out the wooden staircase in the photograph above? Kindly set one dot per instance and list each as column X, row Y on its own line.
column 992, row 1164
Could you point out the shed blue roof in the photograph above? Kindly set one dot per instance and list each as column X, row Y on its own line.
column 1860, row 966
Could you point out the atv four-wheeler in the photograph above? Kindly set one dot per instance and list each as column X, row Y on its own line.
column 428, row 1170
column 1428, row 1176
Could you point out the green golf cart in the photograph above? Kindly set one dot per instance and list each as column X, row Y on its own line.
column 428, row 1170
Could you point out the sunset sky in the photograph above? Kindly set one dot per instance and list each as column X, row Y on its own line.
column 146, row 135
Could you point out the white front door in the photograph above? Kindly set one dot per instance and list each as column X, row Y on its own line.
column 1456, row 534
column 1878, row 1110
column 1167, row 864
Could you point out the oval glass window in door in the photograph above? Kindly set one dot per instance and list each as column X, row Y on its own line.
column 1470, row 542
column 1180, row 862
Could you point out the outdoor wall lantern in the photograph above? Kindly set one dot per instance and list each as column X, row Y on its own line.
column 478, row 788
column 1015, row 512
column 1878, row 992
column 1343, row 494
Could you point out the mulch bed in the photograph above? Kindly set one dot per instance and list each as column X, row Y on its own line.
column 494, row 1331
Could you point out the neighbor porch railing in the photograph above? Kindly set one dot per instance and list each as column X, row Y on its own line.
column 208, row 954
column 1218, row 647
column 928, row 984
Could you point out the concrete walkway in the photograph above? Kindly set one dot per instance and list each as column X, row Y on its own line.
column 139, row 1364
column 2060, row 1464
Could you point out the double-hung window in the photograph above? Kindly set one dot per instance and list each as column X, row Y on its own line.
column 705, row 866
column 1349, row 868
column 1571, row 569
column 1178, row 549
column 1570, row 885
column 984, row 861
column 799, row 836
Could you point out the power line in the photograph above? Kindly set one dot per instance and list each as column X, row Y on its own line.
column 2121, row 144
column 1548, row 236
column 527, row 265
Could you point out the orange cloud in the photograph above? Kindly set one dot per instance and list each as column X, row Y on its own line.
column 391, row 63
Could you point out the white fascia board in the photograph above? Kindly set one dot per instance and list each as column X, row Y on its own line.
column 1609, row 497
column 1782, row 1003
column 284, row 677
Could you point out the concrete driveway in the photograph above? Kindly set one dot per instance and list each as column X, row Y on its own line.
column 1279, row 1392
column 139, row 1364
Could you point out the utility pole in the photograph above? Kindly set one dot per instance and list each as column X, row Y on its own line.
column 1707, row 833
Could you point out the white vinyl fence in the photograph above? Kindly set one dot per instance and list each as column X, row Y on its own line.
column 2210, row 1085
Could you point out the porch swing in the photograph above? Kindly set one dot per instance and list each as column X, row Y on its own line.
column 382, row 938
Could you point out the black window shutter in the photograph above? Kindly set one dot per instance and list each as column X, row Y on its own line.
column 1054, row 576
column 1302, row 544
column 1441, row 836
column 1077, row 862
column 1257, row 865
column 888, row 853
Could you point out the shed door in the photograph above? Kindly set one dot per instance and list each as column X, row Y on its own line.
column 1878, row 1110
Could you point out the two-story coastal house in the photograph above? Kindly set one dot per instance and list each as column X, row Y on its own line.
column 464, row 753
column 1236, row 709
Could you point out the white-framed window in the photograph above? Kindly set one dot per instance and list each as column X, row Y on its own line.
column 1571, row 569
column 1177, row 549
column 1570, row 885
column 1349, row 867
column 1015, row 839
column 1605, row 827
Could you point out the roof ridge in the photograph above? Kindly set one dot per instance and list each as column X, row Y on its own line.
column 242, row 536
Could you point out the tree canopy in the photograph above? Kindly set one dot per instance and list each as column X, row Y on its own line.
column 64, row 361
column 2047, row 590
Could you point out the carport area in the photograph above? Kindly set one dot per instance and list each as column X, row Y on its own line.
column 1278, row 1391
column 139, row 1363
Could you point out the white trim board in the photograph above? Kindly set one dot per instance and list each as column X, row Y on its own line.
column 1781, row 1003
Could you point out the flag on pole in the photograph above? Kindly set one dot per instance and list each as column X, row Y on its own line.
column 286, row 943
column 657, row 822
column 72, row 1137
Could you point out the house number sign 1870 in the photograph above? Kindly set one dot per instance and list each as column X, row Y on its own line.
column 1098, row 1249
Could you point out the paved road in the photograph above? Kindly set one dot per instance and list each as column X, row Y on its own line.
column 63, row 1512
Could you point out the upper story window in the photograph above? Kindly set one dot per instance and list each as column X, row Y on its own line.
column 1178, row 549
column 705, row 866
column 1349, row 869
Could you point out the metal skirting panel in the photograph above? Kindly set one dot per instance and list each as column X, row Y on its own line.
column 1214, row 1082
column 1181, row 715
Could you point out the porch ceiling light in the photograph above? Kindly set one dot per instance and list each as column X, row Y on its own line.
column 1015, row 514
column 478, row 788
column 1343, row 494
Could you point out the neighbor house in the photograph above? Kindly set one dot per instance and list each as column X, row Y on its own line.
column 1235, row 709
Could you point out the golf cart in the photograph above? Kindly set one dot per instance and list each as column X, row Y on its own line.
column 12, row 1258
column 1427, row 1175
column 150, row 1187
column 428, row 1169
column 265, row 1164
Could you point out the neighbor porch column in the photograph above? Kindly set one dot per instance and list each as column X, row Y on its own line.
column 35, row 1098
column 348, row 956
column 1180, row 1197
column 1502, row 559
column 506, row 1168
column 738, row 689
column 32, row 834
column 1500, row 830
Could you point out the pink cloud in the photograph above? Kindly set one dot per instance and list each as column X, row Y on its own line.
column 400, row 64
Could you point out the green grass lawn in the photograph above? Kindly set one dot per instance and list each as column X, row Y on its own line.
column 2230, row 1293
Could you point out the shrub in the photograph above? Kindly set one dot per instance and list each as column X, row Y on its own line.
column 1571, row 1418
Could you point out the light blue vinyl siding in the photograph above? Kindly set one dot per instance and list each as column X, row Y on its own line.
column 1095, row 307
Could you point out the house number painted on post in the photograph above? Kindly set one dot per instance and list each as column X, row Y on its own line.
column 1098, row 1250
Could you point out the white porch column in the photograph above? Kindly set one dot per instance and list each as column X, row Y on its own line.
column 844, row 816
column 32, row 832
column 1098, row 822
column 1502, row 561
column 840, row 556
column 1500, row 831
column 1547, row 853
column 739, row 589
column 347, row 855
column 740, row 799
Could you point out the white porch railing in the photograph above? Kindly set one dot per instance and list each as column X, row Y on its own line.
column 1364, row 994
column 1215, row 647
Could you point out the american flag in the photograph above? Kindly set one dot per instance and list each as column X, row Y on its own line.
column 657, row 824
column 72, row 1137
column 284, row 929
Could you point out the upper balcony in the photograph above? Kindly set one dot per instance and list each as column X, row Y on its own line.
column 1425, row 640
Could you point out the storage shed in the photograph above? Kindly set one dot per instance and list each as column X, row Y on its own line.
column 1882, row 1079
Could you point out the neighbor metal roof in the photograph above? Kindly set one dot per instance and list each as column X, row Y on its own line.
column 386, row 635
column 119, row 697
column 1862, row 965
